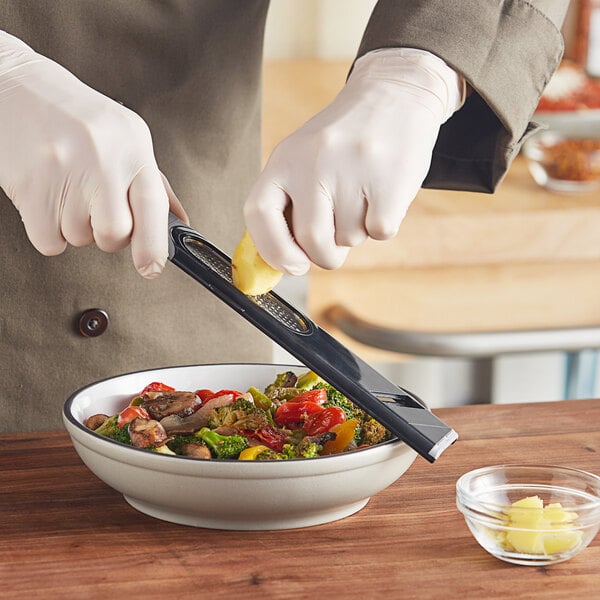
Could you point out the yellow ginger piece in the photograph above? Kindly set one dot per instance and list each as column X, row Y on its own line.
column 249, row 271
column 550, row 527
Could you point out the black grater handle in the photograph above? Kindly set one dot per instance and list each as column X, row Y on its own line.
column 402, row 413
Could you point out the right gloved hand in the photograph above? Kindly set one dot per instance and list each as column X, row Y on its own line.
column 78, row 166
column 351, row 172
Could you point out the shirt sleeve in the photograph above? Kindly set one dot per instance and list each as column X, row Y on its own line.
column 506, row 50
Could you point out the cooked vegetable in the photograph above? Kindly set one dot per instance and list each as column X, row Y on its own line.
column 146, row 433
column 252, row 452
column 323, row 421
column 162, row 449
column 206, row 395
column 177, row 442
column 271, row 437
column 95, row 421
column 318, row 396
column 130, row 413
column 261, row 400
column 293, row 414
column 109, row 428
column 156, row 386
column 294, row 417
column 283, row 380
column 223, row 446
column 269, row 454
column 309, row 446
column 161, row 404
column 344, row 436
column 308, row 380
column 372, row 432
column 242, row 414
column 336, row 398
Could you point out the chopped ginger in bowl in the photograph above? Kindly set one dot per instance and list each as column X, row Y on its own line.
column 529, row 514
column 532, row 528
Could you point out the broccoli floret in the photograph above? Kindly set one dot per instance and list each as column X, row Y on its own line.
column 372, row 432
column 288, row 451
column 110, row 429
column 336, row 398
column 242, row 414
column 304, row 449
column 162, row 449
column 308, row 450
column 308, row 446
column 179, row 440
column 122, row 435
column 223, row 446
column 269, row 454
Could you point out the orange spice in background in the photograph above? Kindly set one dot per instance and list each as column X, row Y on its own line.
column 587, row 40
column 573, row 160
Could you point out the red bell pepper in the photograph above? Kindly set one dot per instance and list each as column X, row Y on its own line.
column 130, row 413
column 323, row 421
column 293, row 414
column 206, row 395
column 157, row 386
column 269, row 437
column 318, row 396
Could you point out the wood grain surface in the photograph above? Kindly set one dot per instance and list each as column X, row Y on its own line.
column 66, row 535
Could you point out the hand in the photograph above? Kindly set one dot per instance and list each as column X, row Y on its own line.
column 352, row 171
column 78, row 166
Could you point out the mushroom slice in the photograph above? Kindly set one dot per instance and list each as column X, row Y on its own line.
column 144, row 433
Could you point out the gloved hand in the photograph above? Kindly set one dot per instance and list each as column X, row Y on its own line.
column 78, row 166
column 352, row 171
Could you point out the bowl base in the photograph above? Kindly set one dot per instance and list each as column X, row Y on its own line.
column 285, row 521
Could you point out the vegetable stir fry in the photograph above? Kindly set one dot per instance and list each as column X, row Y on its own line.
column 296, row 416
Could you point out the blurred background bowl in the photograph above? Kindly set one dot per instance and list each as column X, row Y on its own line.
column 527, row 534
column 226, row 494
column 566, row 156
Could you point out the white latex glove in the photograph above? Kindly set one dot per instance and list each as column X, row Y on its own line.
column 78, row 166
column 352, row 171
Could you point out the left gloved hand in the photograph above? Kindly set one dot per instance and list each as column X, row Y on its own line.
column 352, row 171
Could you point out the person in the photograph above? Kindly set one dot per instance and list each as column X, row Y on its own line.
column 113, row 113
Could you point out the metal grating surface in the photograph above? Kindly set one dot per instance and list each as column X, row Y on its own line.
column 221, row 265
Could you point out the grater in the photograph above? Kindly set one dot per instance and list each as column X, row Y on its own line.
column 401, row 412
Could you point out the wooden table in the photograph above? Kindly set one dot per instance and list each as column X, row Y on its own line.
column 66, row 535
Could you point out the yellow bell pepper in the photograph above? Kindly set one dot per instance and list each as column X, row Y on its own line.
column 344, row 434
column 251, row 453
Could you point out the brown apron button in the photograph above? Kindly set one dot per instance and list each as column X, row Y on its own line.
column 93, row 322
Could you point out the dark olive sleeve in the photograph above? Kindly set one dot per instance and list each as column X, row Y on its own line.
column 506, row 50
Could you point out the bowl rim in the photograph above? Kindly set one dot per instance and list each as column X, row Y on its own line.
column 466, row 498
column 144, row 455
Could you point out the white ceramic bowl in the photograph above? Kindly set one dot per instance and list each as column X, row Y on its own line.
column 226, row 494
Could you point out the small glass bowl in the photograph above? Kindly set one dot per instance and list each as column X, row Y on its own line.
column 558, row 519
column 562, row 162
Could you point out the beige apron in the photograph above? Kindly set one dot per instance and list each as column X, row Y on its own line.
column 191, row 69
